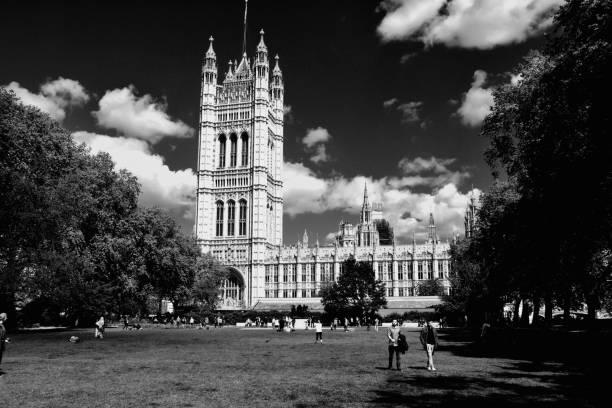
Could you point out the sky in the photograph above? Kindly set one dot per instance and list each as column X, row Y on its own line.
column 385, row 93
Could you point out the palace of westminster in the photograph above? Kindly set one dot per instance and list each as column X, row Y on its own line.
column 239, row 214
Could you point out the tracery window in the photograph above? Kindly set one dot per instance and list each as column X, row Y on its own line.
column 222, row 140
column 242, row 218
column 231, row 217
column 233, row 148
column 219, row 230
column 245, row 149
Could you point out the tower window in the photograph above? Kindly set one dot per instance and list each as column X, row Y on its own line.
column 245, row 149
column 242, row 218
column 233, row 148
column 231, row 217
column 219, row 230
column 222, row 140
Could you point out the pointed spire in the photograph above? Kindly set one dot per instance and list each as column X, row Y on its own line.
column 211, row 52
column 431, row 234
column 262, row 45
column 365, row 193
column 305, row 238
column 230, row 69
column 276, row 69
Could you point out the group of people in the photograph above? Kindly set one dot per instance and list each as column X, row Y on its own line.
column 398, row 344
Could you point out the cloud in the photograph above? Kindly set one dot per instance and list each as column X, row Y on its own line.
column 419, row 165
column 479, row 24
column 306, row 192
column 54, row 97
column 288, row 114
column 389, row 102
column 162, row 187
column 407, row 57
column 410, row 111
column 315, row 143
column 477, row 101
column 139, row 117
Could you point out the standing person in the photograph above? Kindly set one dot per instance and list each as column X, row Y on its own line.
column 126, row 325
column 393, row 335
column 345, row 324
column 3, row 339
column 376, row 324
column 318, row 331
column 429, row 340
column 99, row 332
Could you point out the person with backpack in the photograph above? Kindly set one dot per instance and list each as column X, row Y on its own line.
column 393, row 334
column 429, row 340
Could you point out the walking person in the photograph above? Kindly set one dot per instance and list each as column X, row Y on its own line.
column 3, row 339
column 99, row 331
column 319, row 331
column 393, row 335
column 429, row 340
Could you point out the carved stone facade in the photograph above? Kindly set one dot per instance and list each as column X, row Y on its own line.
column 239, row 210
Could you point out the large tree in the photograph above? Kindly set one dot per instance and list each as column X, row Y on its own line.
column 550, row 133
column 356, row 293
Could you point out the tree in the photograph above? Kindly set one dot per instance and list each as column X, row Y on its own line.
column 431, row 287
column 549, row 133
column 207, row 282
column 356, row 293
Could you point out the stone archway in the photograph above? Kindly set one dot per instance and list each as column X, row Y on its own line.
column 232, row 291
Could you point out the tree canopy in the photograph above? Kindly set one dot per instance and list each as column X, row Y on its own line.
column 356, row 293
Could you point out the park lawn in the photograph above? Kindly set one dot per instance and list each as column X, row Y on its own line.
column 229, row 367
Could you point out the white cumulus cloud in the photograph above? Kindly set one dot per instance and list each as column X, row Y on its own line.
column 54, row 97
column 479, row 24
column 477, row 101
column 315, row 142
column 170, row 189
column 140, row 117
column 306, row 192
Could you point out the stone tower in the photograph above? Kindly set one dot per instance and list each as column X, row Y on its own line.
column 239, row 210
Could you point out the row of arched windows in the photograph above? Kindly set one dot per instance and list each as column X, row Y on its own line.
column 233, row 139
column 231, row 218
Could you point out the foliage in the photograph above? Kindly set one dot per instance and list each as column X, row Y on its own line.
column 548, row 136
column 207, row 281
column 356, row 293
column 431, row 287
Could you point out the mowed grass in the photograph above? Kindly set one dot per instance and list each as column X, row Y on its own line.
column 231, row 367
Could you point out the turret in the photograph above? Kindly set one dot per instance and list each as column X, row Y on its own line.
column 366, row 209
column 209, row 75
column 278, row 89
column 262, row 69
column 431, row 233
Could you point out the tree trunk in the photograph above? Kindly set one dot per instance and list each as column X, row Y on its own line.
column 515, row 316
column 548, row 309
column 567, row 307
column 525, row 314
column 536, row 311
column 592, row 303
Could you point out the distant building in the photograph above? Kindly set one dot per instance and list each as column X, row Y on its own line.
column 239, row 210
column 470, row 218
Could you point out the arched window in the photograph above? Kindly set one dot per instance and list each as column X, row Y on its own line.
column 233, row 148
column 242, row 218
column 231, row 217
column 222, row 140
column 219, row 230
column 245, row 149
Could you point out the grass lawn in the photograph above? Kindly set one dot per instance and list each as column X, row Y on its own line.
column 262, row 368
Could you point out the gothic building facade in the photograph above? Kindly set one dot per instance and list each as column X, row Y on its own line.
column 239, row 213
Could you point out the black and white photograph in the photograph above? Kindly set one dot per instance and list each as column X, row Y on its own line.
column 284, row 203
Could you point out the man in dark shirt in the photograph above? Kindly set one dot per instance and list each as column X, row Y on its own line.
column 393, row 335
column 429, row 340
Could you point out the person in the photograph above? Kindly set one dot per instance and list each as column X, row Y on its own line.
column 376, row 324
column 3, row 339
column 346, row 322
column 126, row 325
column 99, row 332
column 191, row 321
column 429, row 340
column 393, row 335
column 319, row 331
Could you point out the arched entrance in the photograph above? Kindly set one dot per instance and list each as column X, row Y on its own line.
column 232, row 291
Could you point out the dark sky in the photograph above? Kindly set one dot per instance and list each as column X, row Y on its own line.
column 337, row 71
